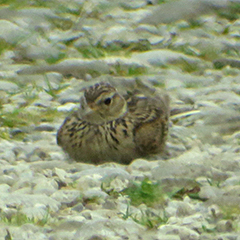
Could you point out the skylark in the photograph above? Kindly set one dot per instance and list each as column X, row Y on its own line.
column 111, row 127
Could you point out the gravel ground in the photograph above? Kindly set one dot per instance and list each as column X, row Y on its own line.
column 50, row 50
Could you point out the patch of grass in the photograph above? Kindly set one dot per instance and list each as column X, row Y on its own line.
column 13, row 119
column 42, row 222
column 2, row 102
column 61, row 22
column 186, row 49
column 19, row 219
column 94, row 199
column 136, row 70
column 150, row 220
column 51, row 90
column 213, row 183
column 16, row 219
column 122, row 70
column 121, row 49
column 209, row 53
column 4, row 46
column 140, row 46
column 232, row 13
column 187, row 66
column 144, row 192
column 230, row 212
column 234, row 52
column 30, row 93
column 92, row 51
column 209, row 230
column 159, row 85
column 115, row 48
column 21, row 117
column 72, row 185
column 19, row 136
column 226, row 30
column 192, row 193
column 4, row 134
column 47, row 115
column 14, row 4
column 147, row 218
column 192, row 84
column 99, row 51
column 127, row 214
column 194, row 23
column 127, row 48
column 55, row 59
column 40, row 3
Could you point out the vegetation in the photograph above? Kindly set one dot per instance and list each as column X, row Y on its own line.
column 145, row 192
column 18, row 219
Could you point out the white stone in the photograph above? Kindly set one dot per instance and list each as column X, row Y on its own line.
column 10, row 32
column 8, row 86
column 66, row 196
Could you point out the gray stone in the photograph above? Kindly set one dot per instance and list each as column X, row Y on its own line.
column 113, row 228
column 27, row 200
column 184, row 9
column 163, row 57
column 120, row 35
column 94, row 194
column 68, row 197
column 44, row 186
column 78, row 207
column 234, row 180
column 44, row 127
column 67, row 107
column 37, row 212
column 224, row 226
column 106, row 173
column 8, row 86
column 4, row 187
column 75, row 67
column 11, row 32
column 190, row 164
column 183, row 232
column 61, row 235
column 167, row 237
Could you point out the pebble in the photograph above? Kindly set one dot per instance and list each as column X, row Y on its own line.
column 8, row 86
column 11, row 32
column 182, row 232
column 163, row 57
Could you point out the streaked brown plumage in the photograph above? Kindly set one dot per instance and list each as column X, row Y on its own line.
column 109, row 127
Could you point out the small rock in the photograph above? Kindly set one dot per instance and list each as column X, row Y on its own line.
column 10, row 32
column 8, row 86
column 224, row 226
column 4, row 187
column 44, row 127
column 68, row 197
column 67, row 107
column 182, row 232
column 162, row 57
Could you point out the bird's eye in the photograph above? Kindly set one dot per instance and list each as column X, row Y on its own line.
column 107, row 101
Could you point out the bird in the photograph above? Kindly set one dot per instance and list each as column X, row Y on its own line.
column 113, row 127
